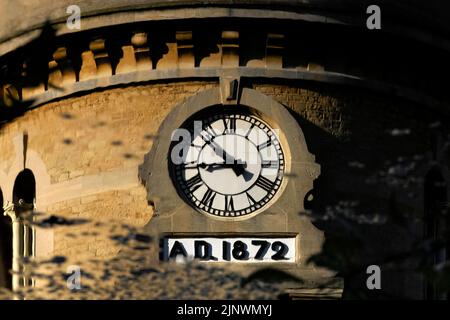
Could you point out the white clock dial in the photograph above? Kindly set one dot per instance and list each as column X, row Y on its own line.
column 233, row 167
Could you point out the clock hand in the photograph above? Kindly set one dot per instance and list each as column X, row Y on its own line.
column 220, row 152
column 214, row 166
column 218, row 166
column 241, row 171
column 238, row 168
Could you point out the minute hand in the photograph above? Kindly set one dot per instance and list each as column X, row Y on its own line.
column 220, row 152
column 238, row 168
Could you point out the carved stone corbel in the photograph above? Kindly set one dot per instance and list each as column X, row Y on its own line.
column 139, row 40
column 230, row 89
column 61, row 70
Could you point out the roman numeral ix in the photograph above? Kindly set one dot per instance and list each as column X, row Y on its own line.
column 194, row 183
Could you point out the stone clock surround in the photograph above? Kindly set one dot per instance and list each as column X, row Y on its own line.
column 173, row 216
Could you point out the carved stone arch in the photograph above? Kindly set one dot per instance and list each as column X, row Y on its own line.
column 302, row 169
column 28, row 159
column 32, row 162
column 24, row 187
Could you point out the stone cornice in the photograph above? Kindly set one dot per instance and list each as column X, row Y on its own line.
column 426, row 22
column 106, row 57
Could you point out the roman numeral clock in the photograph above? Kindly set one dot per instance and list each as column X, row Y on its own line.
column 228, row 181
column 234, row 165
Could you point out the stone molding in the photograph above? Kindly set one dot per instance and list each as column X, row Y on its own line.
column 100, row 60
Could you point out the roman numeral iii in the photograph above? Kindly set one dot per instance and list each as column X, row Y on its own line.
column 265, row 184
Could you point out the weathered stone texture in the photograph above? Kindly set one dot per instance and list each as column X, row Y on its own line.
column 97, row 132
column 91, row 135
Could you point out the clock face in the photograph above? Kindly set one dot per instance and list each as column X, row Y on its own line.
column 232, row 167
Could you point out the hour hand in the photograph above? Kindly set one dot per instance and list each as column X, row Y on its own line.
column 222, row 153
column 247, row 175
column 216, row 166
column 240, row 169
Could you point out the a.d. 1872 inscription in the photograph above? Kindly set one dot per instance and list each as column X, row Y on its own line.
column 236, row 250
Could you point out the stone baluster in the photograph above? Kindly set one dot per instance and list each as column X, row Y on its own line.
column 274, row 51
column 101, row 58
column 143, row 60
column 185, row 46
column 230, row 49
column 95, row 61
column 60, row 69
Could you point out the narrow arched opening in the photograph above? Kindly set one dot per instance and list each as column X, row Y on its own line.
column 24, row 187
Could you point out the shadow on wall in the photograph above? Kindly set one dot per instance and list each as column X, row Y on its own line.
column 366, row 204
column 436, row 204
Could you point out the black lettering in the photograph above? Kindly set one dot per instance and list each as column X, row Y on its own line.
column 263, row 248
column 281, row 250
column 177, row 249
column 240, row 251
column 226, row 249
column 203, row 251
